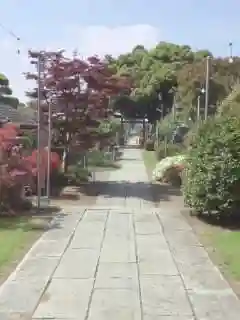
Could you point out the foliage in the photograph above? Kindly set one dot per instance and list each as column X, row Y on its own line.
column 149, row 145
column 78, row 174
column 169, row 150
column 30, row 140
column 166, row 127
column 231, row 104
column 55, row 161
column 164, row 166
column 175, row 72
column 107, row 132
column 6, row 93
column 173, row 175
column 80, row 92
column 15, row 170
column 98, row 158
column 111, row 126
column 189, row 138
column 212, row 177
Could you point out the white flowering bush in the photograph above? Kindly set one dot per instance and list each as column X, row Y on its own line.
column 165, row 164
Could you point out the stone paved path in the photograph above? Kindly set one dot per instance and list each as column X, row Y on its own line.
column 120, row 260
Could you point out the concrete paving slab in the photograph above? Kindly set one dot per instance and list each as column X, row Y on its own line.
column 49, row 248
column 22, row 296
column 122, row 259
column 124, row 252
column 147, row 228
column 161, row 263
column 65, row 299
column 164, row 296
column 117, row 304
column 213, row 305
column 30, row 268
column 181, row 239
column 117, row 276
column 78, row 264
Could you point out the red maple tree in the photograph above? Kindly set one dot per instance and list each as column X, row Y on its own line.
column 79, row 92
column 15, row 171
column 18, row 170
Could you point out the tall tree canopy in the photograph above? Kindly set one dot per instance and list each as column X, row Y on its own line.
column 170, row 71
column 79, row 92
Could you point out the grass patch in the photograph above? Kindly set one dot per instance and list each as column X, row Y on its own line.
column 95, row 160
column 227, row 244
column 105, row 167
column 150, row 161
column 223, row 246
column 17, row 234
column 108, row 165
column 102, row 160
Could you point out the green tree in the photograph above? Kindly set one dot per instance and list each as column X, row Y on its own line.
column 231, row 104
column 6, row 93
column 156, row 72
column 223, row 76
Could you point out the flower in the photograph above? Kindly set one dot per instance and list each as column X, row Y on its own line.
column 167, row 163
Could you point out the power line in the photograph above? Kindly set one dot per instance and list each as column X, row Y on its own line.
column 11, row 33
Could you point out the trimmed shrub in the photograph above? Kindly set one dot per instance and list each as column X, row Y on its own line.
column 149, row 145
column 190, row 136
column 169, row 169
column 171, row 150
column 77, row 174
column 212, row 176
column 173, row 176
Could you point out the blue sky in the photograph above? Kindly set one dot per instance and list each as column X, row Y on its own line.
column 112, row 26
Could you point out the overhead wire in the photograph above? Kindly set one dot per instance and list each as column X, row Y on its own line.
column 12, row 34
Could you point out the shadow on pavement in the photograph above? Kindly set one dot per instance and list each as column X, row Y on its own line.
column 124, row 189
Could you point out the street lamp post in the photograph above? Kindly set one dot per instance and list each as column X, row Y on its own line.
column 48, row 191
column 198, row 107
column 230, row 60
column 159, row 110
column 202, row 92
column 208, row 78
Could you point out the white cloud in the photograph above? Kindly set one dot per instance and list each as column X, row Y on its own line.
column 88, row 40
column 102, row 40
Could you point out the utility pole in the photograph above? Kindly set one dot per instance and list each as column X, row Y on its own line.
column 39, row 58
column 40, row 69
column 207, row 87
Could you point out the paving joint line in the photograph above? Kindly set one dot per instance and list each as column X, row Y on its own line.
column 66, row 248
column 138, row 268
column 176, row 265
column 97, row 267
